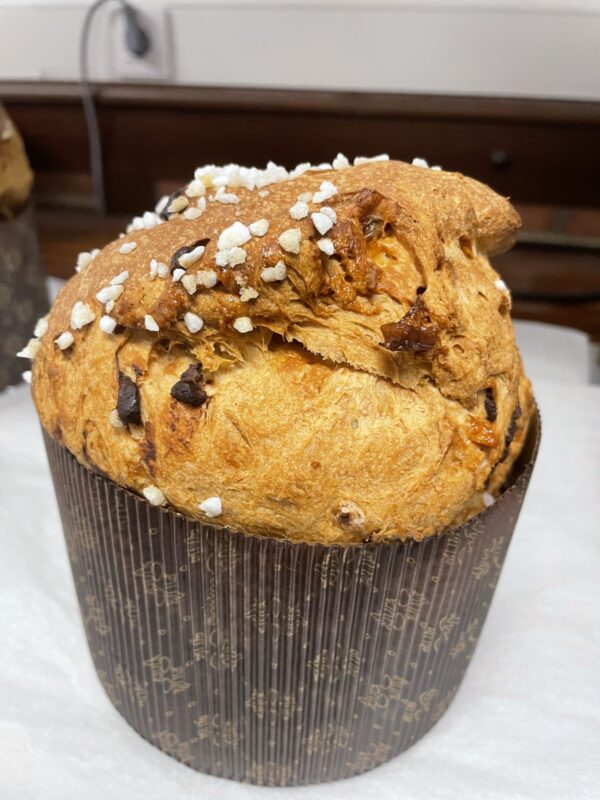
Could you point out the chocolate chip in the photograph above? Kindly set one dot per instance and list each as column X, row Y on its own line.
column 510, row 433
column 186, row 249
column 189, row 393
column 414, row 332
column 491, row 411
column 193, row 373
column 372, row 227
column 165, row 214
column 128, row 402
column 188, row 388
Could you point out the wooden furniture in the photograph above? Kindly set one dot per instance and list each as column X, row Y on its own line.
column 544, row 154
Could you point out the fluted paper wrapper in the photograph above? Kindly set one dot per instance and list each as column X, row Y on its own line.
column 267, row 661
column 23, row 297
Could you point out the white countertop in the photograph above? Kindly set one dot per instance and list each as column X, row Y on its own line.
column 524, row 725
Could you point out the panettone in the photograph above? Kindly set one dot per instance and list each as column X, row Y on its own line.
column 325, row 355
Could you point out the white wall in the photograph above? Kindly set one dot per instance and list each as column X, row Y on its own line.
column 544, row 48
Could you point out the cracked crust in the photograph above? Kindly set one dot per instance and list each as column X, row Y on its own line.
column 310, row 414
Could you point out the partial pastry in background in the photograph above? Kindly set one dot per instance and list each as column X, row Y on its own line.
column 16, row 177
column 23, row 296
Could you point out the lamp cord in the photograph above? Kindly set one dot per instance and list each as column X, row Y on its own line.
column 138, row 43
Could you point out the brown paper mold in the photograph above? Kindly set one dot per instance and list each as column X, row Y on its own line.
column 23, row 297
column 272, row 662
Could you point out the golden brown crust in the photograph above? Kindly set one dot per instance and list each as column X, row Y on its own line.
column 15, row 174
column 319, row 424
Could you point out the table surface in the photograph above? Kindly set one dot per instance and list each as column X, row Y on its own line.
column 523, row 725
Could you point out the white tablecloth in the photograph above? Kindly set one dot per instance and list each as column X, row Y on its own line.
column 525, row 724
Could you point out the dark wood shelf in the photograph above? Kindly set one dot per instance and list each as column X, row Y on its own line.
column 536, row 151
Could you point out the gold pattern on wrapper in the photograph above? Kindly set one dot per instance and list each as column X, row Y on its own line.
column 379, row 695
column 220, row 732
column 159, row 584
column 272, row 703
column 125, row 680
column 170, row 743
column 170, row 678
column 272, row 662
column 396, row 612
column 94, row 615
column 326, row 739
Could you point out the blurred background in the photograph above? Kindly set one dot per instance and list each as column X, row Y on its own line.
column 507, row 91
